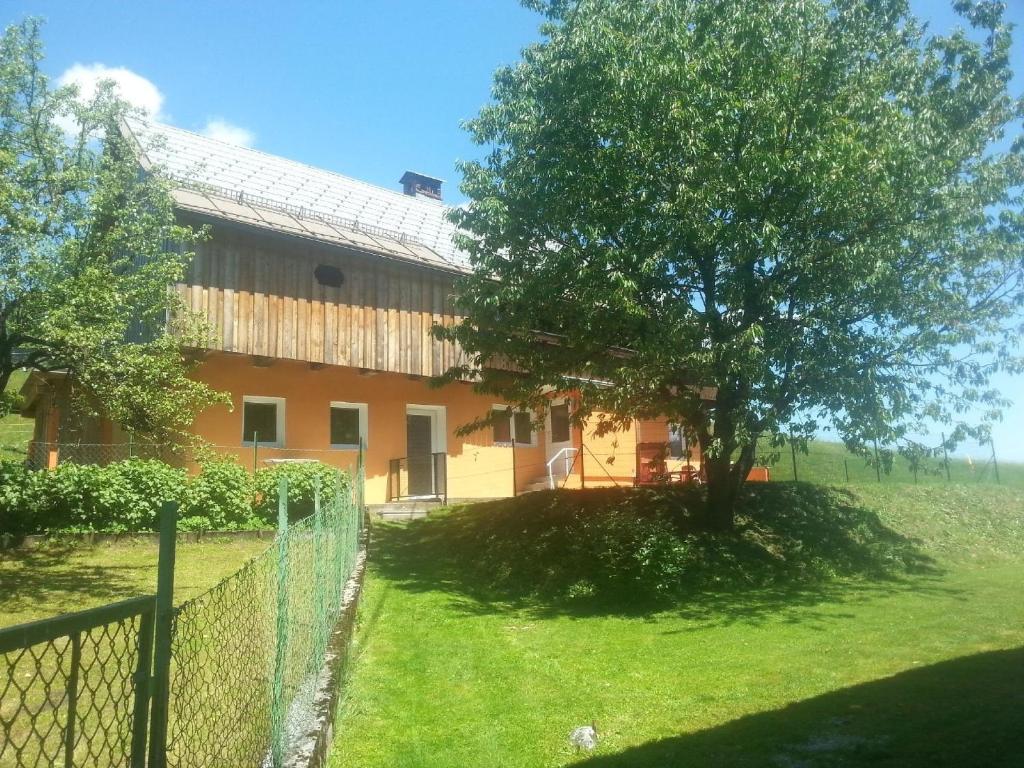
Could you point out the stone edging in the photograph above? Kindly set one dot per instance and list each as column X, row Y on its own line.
column 314, row 746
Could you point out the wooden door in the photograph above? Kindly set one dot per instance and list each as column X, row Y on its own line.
column 419, row 431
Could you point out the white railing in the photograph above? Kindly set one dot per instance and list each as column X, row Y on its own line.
column 568, row 455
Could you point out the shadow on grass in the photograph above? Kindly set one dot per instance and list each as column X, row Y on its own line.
column 43, row 575
column 964, row 712
column 641, row 551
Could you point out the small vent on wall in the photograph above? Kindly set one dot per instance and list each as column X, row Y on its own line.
column 329, row 276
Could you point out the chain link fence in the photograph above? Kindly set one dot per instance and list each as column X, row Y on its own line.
column 40, row 455
column 69, row 688
column 242, row 662
column 246, row 654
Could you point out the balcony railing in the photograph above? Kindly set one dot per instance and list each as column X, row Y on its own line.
column 426, row 480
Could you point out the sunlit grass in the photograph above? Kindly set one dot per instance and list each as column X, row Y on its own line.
column 458, row 668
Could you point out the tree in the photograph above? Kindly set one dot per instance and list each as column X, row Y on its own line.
column 806, row 205
column 89, row 248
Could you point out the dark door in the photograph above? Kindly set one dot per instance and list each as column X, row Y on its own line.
column 418, row 431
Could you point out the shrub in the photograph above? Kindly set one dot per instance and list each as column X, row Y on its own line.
column 220, row 498
column 16, row 518
column 125, row 497
column 302, row 478
column 120, row 497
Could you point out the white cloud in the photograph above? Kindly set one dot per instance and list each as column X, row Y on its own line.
column 131, row 86
column 142, row 94
column 222, row 130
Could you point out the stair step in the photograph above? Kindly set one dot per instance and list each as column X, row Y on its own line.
column 403, row 510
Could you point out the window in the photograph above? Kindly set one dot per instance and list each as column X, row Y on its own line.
column 512, row 427
column 678, row 446
column 523, row 428
column 263, row 420
column 560, row 432
column 348, row 425
column 501, row 424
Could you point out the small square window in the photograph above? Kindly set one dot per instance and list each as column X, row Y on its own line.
column 348, row 425
column 263, row 420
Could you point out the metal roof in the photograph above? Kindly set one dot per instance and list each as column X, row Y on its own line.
column 253, row 187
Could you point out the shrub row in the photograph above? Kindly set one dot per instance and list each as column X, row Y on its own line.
column 125, row 497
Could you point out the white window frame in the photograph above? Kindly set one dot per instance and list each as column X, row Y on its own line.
column 364, row 425
column 280, row 403
column 512, row 427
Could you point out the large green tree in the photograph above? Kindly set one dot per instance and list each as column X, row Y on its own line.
column 811, row 206
column 89, row 248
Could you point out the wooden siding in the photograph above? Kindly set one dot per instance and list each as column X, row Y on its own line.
column 260, row 297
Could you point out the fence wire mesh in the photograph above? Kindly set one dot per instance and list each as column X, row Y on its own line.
column 246, row 654
column 68, row 696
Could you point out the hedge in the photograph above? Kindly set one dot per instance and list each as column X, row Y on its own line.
column 125, row 496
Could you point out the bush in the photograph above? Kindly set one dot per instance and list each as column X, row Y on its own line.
column 302, row 478
column 219, row 498
column 120, row 497
column 125, row 497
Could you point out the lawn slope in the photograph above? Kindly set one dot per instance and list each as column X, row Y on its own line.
column 873, row 626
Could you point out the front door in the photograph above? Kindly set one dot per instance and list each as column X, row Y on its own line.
column 419, row 436
column 559, row 438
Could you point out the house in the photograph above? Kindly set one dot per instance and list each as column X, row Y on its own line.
column 321, row 292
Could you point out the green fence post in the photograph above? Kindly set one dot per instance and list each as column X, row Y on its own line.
column 164, row 614
column 281, row 649
column 143, row 667
column 319, row 576
column 72, row 696
column 878, row 465
column 945, row 457
column 792, row 450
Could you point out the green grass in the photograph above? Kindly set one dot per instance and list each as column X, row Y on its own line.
column 15, row 431
column 876, row 625
column 58, row 578
column 828, row 462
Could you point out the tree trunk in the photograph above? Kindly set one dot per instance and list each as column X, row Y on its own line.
column 725, row 480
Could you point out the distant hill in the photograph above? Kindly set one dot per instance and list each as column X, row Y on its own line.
column 828, row 462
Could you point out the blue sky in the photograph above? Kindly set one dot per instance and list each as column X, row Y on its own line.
column 369, row 89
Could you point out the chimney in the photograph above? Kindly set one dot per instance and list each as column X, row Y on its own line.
column 418, row 185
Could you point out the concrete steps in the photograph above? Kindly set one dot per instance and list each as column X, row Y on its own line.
column 411, row 509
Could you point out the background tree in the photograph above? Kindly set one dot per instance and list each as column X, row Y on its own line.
column 800, row 203
column 88, row 250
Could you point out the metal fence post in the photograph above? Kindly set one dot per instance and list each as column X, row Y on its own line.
column 319, row 564
column 846, row 469
column 143, row 666
column 164, row 614
column 878, row 465
column 281, row 649
column 945, row 457
column 995, row 464
column 792, row 450
column 72, row 696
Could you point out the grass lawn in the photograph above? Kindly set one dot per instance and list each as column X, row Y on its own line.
column 871, row 626
column 830, row 463
column 15, row 431
column 57, row 578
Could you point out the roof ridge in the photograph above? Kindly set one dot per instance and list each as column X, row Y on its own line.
column 398, row 195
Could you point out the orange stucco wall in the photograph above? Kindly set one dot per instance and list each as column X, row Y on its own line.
column 477, row 467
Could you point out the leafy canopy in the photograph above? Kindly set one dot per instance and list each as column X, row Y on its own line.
column 88, row 250
column 808, row 205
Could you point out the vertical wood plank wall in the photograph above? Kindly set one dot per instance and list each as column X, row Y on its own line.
column 261, row 298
